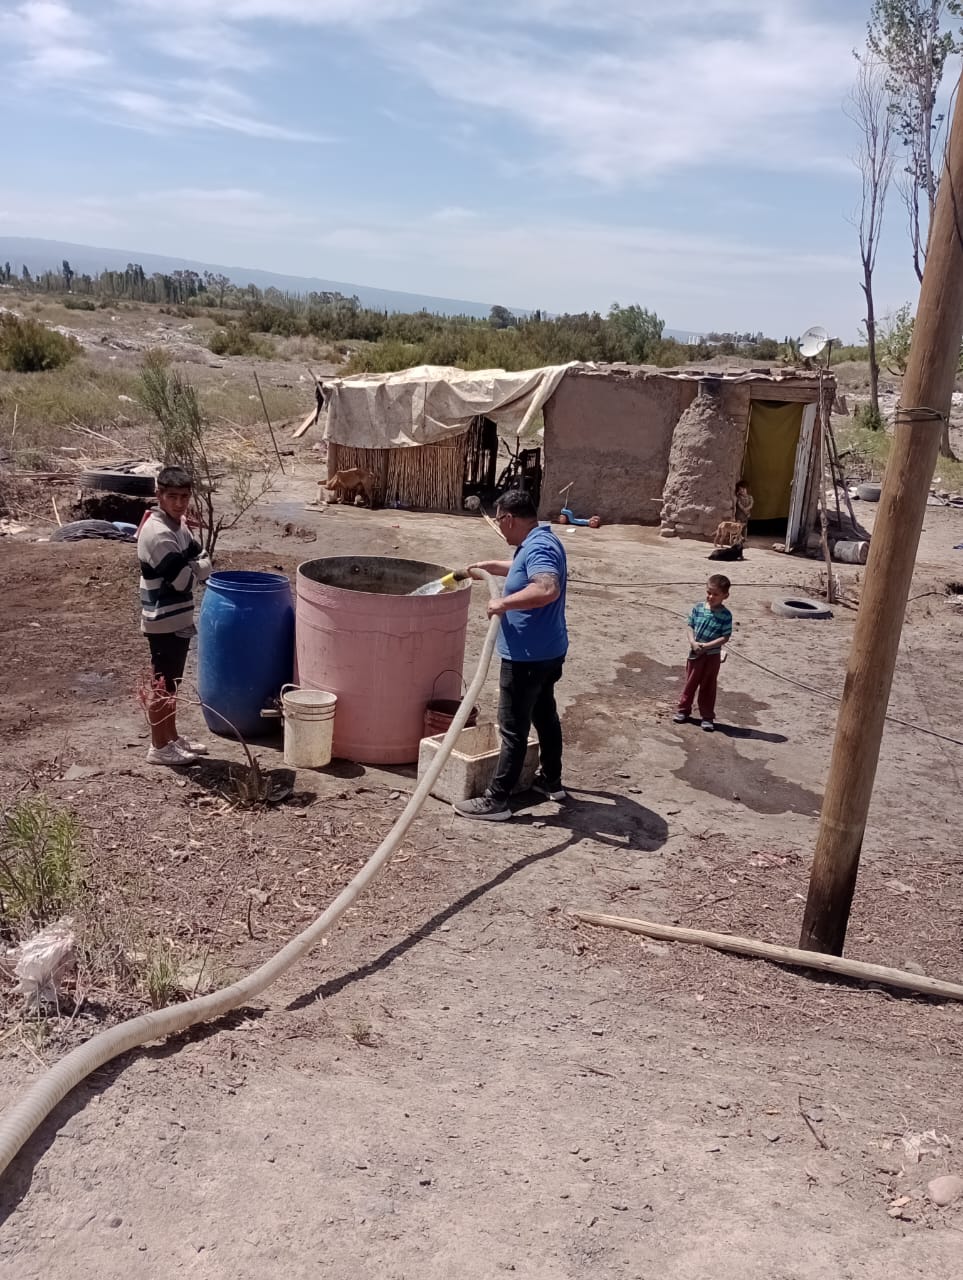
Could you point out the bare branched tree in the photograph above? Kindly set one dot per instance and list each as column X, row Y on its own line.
column 182, row 435
column 868, row 106
column 913, row 39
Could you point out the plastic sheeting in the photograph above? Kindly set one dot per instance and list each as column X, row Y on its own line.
column 430, row 403
column 771, row 457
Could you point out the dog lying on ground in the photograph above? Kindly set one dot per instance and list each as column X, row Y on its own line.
column 348, row 485
column 727, row 553
column 728, row 541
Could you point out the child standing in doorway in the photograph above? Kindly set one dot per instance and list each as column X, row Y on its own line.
column 743, row 505
column 708, row 627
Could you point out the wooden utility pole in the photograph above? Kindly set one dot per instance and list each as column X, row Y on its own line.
column 924, row 404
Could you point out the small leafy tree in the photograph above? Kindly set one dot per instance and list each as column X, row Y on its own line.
column 183, row 437
column 501, row 318
column 217, row 284
column 640, row 329
column 895, row 334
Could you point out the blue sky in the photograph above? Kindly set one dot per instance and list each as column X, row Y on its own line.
column 689, row 155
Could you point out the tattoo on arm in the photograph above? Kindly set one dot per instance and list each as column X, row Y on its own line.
column 547, row 580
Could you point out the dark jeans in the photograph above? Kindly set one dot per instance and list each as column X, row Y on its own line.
column 168, row 656
column 526, row 697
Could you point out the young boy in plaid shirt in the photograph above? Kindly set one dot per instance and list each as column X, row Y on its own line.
column 709, row 626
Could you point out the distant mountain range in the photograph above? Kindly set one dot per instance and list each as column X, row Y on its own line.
column 48, row 255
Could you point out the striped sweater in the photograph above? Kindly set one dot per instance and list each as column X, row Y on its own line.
column 171, row 561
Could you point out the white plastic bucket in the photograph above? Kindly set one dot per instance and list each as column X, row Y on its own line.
column 308, row 726
column 851, row 552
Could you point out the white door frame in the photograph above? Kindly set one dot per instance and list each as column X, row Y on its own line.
column 797, row 495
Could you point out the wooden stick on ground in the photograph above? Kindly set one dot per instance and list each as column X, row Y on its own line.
column 838, row 965
column 309, row 421
column 80, row 430
column 811, row 1127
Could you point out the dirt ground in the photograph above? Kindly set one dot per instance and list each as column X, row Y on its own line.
column 462, row 1082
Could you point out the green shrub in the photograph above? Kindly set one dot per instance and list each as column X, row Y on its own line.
column 234, row 340
column 385, row 357
column 160, row 974
column 864, row 451
column 79, row 304
column 867, row 418
column 894, row 337
column 843, row 354
column 29, row 347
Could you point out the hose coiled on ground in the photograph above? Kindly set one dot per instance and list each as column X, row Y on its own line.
column 19, row 1122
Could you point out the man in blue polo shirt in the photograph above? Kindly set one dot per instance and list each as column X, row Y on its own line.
column 532, row 645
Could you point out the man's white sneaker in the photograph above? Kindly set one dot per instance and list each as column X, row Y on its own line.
column 195, row 748
column 170, row 755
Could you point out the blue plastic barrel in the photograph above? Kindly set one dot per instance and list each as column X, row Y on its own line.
column 245, row 649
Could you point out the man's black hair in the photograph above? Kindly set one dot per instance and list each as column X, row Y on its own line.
column 516, row 502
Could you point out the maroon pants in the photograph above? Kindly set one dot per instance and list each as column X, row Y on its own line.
column 702, row 678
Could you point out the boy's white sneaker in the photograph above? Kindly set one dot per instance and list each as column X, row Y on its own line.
column 172, row 754
column 188, row 744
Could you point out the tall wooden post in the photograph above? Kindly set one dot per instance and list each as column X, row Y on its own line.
column 924, row 403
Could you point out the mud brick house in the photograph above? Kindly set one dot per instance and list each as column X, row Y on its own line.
column 629, row 444
column 668, row 446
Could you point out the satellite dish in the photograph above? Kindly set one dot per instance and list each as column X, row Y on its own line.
column 813, row 341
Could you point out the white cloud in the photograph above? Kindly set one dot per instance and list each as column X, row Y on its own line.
column 226, row 209
column 187, row 106
column 63, row 62
column 300, row 12
column 645, row 98
column 210, row 44
column 56, row 43
column 616, row 91
column 57, row 50
column 453, row 213
column 45, row 21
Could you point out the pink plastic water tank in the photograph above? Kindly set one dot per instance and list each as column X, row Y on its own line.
column 384, row 652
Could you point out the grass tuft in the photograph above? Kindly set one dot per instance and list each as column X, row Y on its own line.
column 40, row 863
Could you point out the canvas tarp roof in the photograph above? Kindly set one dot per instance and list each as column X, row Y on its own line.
column 429, row 403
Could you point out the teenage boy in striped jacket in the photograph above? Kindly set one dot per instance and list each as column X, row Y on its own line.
column 171, row 561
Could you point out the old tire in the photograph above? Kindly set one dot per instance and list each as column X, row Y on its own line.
column 800, row 607
column 869, row 492
column 118, row 482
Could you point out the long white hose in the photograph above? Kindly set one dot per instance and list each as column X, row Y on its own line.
column 19, row 1122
